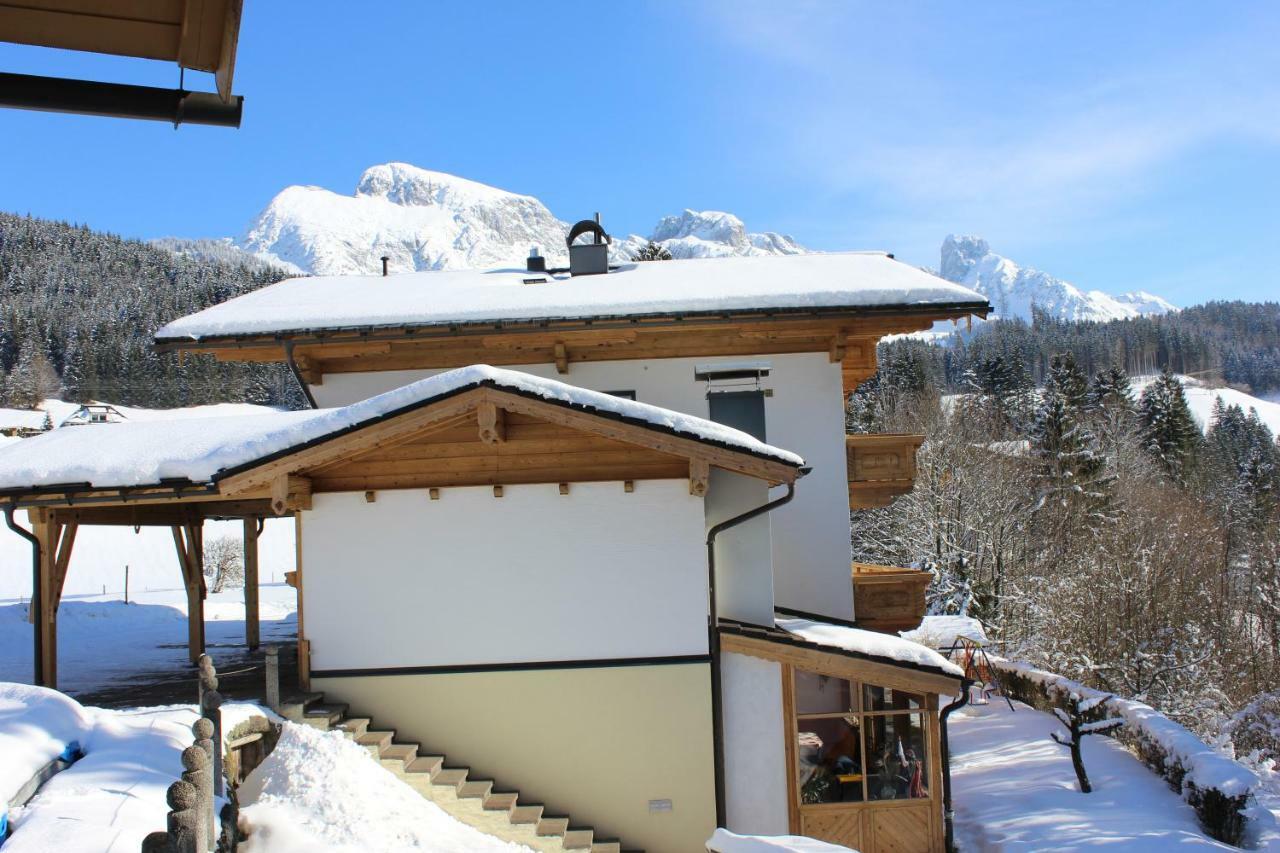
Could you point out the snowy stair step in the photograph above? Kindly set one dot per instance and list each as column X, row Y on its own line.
column 549, row 825
column 475, row 789
column 531, row 813
column 329, row 715
column 577, row 838
column 375, row 741
column 402, row 752
column 450, row 777
column 500, row 801
column 427, row 764
column 354, row 726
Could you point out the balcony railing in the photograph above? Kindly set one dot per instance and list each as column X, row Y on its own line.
column 881, row 467
column 888, row 598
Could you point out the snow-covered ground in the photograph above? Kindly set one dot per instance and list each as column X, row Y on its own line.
column 1201, row 399
column 104, row 642
column 110, row 799
column 1015, row 790
column 320, row 793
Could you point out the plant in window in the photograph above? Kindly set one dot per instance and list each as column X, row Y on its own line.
column 1078, row 728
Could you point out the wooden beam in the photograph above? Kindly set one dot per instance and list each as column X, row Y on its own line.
column 62, row 562
column 838, row 343
column 385, row 433
column 766, row 469
column 310, row 369
column 289, row 492
column 251, row 634
column 562, row 357
column 699, row 477
column 493, row 422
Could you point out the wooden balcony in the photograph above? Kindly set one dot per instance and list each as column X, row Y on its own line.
column 887, row 598
column 881, row 467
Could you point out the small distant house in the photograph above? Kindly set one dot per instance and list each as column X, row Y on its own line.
column 613, row 573
column 94, row 413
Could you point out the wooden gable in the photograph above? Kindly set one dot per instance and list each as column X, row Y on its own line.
column 489, row 436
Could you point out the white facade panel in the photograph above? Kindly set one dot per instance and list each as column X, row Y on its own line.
column 805, row 414
column 532, row 576
column 755, row 759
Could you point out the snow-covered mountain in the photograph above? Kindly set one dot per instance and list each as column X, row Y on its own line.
column 711, row 234
column 421, row 220
column 1013, row 289
column 424, row 220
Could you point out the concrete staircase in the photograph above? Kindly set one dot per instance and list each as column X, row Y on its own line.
column 480, row 803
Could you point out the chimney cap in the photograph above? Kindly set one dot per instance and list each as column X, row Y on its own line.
column 588, row 225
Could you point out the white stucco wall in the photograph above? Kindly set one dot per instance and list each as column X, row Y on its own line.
column 754, row 752
column 531, row 576
column 811, row 550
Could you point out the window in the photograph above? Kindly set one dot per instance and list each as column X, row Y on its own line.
column 858, row 742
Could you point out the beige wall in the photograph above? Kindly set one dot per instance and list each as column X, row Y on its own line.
column 597, row 744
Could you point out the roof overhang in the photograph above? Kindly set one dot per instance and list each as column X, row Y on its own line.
column 774, row 644
column 200, row 35
column 273, row 477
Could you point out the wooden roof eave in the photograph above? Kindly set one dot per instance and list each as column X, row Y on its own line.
column 405, row 425
column 270, row 346
column 835, row 662
column 259, row 484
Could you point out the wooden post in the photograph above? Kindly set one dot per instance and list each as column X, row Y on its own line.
column 193, row 580
column 46, row 619
column 304, row 647
column 251, row 532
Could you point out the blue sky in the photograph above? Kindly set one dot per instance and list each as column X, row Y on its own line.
column 1120, row 146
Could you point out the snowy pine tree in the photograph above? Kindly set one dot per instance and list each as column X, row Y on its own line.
column 652, row 251
column 1169, row 432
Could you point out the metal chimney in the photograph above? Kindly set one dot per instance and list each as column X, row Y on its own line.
column 535, row 262
column 588, row 258
column 385, row 258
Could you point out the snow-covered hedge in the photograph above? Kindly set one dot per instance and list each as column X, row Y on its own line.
column 1221, row 790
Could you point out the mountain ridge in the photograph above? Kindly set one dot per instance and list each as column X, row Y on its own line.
column 428, row 220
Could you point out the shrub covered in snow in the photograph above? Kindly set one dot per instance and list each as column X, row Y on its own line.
column 1219, row 789
column 1255, row 728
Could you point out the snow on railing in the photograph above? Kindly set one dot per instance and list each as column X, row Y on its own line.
column 1223, row 792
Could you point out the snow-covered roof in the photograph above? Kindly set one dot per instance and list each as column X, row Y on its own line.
column 852, row 281
column 868, row 643
column 200, row 450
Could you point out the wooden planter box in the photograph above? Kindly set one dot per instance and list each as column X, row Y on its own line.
column 887, row 598
column 881, row 466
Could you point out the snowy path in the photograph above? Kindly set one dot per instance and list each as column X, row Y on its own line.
column 1015, row 790
column 104, row 643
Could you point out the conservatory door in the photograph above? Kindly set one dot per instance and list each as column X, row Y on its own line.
column 863, row 764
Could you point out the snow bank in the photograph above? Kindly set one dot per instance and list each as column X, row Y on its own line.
column 317, row 791
column 1221, row 790
column 941, row 632
column 869, row 643
column 111, row 798
column 197, row 449
column 36, row 726
column 836, row 280
column 724, row 841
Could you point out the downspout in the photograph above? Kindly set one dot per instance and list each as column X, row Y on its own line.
column 297, row 375
column 713, row 636
column 948, row 813
column 37, row 669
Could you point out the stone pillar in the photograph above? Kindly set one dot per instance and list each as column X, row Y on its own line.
column 197, row 772
column 184, row 819
column 212, row 711
column 203, row 731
